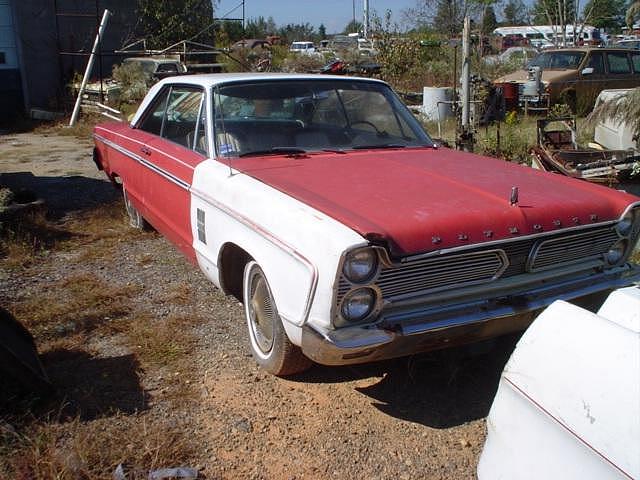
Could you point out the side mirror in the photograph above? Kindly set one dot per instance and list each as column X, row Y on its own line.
column 587, row 71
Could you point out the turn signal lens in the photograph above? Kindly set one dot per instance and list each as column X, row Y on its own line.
column 616, row 253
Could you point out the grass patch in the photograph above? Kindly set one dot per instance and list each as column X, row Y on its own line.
column 26, row 238
column 94, row 233
column 76, row 305
column 161, row 341
column 92, row 450
column 82, row 129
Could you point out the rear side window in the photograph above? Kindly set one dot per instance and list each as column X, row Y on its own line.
column 635, row 59
column 618, row 62
column 177, row 114
column 167, row 67
column 183, row 110
column 596, row 61
column 152, row 121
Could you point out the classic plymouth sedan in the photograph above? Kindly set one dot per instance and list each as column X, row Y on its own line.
column 347, row 233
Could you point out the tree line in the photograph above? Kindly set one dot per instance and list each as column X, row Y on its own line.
column 446, row 16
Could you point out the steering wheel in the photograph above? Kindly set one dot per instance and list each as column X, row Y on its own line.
column 366, row 122
column 379, row 133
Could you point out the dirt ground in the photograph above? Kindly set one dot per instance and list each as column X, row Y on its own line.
column 152, row 365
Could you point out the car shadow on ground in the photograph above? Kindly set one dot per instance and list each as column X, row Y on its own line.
column 61, row 194
column 441, row 389
column 85, row 387
column 90, row 387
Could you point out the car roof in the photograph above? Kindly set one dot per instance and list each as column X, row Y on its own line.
column 585, row 49
column 210, row 80
column 152, row 59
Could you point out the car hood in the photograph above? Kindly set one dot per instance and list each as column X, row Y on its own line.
column 420, row 200
column 520, row 76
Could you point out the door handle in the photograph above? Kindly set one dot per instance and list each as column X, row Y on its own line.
column 145, row 150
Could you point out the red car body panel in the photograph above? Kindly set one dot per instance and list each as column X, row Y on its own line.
column 426, row 199
column 159, row 189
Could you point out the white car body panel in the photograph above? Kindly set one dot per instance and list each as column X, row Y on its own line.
column 610, row 133
column 268, row 237
column 568, row 402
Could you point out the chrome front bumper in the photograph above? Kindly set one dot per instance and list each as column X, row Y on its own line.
column 425, row 327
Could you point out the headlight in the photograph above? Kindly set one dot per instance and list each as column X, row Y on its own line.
column 360, row 265
column 616, row 252
column 358, row 304
column 625, row 224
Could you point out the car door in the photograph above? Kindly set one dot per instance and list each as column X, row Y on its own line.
column 173, row 155
column 592, row 79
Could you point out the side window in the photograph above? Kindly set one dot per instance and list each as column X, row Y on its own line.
column 152, row 121
column 635, row 59
column 167, row 67
column 183, row 108
column 618, row 62
column 596, row 61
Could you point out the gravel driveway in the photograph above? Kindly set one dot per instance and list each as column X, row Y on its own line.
column 417, row 417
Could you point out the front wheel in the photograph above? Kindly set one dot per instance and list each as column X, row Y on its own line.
column 269, row 343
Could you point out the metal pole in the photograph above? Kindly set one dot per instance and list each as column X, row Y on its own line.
column 353, row 8
column 466, row 75
column 87, row 72
column 365, row 23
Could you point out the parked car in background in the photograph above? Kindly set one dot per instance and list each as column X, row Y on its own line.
column 305, row 48
column 321, row 204
column 629, row 43
column 158, row 68
column 568, row 401
column 520, row 55
column 576, row 76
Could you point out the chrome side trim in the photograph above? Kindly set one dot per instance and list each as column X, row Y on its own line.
column 274, row 240
column 145, row 163
column 149, row 146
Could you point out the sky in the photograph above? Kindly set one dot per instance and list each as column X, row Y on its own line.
column 334, row 14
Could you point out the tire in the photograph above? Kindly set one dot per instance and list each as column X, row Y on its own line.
column 136, row 220
column 269, row 343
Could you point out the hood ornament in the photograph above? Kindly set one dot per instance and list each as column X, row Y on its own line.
column 513, row 200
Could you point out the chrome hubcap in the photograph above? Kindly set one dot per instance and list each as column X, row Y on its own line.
column 261, row 313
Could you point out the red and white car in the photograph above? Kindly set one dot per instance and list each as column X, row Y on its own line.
column 322, row 204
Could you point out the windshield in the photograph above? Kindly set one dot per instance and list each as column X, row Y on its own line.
column 558, row 60
column 300, row 116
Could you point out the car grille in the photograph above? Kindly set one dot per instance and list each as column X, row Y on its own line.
column 485, row 264
column 583, row 246
column 441, row 272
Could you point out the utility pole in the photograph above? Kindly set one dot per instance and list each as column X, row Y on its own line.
column 353, row 11
column 365, row 23
column 465, row 134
